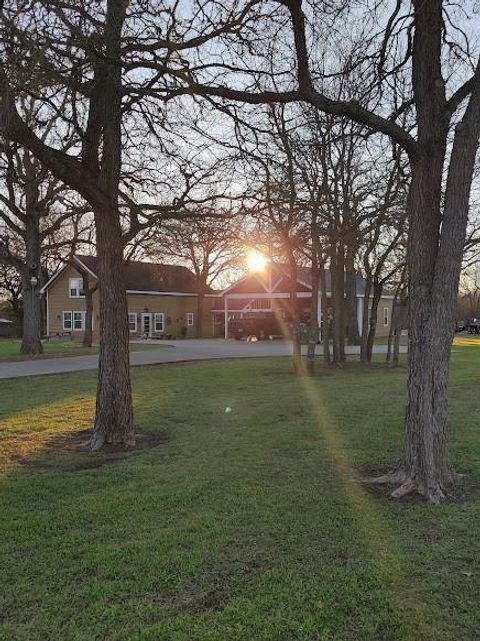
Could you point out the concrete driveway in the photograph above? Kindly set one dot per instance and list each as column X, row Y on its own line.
column 178, row 351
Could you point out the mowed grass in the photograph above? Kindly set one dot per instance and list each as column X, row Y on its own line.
column 10, row 349
column 245, row 525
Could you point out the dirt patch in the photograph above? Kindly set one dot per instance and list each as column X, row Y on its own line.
column 70, row 452
column 466, row 490
column 78, row 442
column 210, row 592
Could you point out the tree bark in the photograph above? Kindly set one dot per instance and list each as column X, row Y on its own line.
column 89, row 291
column 32, row 312
column 296, row 346
column 351, row 319
column 326, row 315
column 31, row 319
column 312, row 343
column 337, row 267
column 366, row 319
column 372, row 325
column 114, row 409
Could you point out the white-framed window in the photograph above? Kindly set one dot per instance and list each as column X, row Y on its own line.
column 74, row 321
column 67, row 321
column 132, row 321
column 190, row 319
column 75, row 288
column 386, row 316
column 159, row 321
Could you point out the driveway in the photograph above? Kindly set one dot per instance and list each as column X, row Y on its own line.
column 178, row 351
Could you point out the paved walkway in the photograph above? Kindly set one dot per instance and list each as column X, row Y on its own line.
column 178, row 351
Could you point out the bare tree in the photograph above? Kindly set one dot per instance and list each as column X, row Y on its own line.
column 80, row 61
column 210, row 244
column 447, row 119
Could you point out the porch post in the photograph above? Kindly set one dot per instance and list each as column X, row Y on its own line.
column 360, row 314
column 225, row 309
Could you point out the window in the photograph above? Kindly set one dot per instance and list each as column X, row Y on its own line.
column 190, row 319
column 78, row 320
column 67, row 321
column 159, row 322
column 386, row 312
column 75, row 288
column 132, row 321
column 73, row 321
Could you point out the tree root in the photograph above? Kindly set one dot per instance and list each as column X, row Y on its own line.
column 408, row 484
column 98, row 440
column 397, row 475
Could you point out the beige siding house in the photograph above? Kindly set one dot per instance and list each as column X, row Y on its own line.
column 162, row 301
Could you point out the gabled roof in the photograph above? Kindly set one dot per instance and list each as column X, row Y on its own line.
column 142, row 276
column 280, row 277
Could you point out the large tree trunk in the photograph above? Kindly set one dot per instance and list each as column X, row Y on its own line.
column 88, row 333
column 31, row 319
column 32, row 311
column 426, row 468
column 114, row 409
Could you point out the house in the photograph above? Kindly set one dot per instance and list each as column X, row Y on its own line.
column 163, row 301
column 260, row 302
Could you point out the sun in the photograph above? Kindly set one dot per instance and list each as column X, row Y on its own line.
column 256, row 261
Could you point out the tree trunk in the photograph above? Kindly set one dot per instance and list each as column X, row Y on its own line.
column 32, row 311
column 366, row 319
column 296, row 347
column 114, row 409
column 201, row 289
column 372, row 325
column 393, row 325
column 88, row 333
column 351, row 319
column 326, row 314
column 337, row 267
column 32, row 319
column 312, row 343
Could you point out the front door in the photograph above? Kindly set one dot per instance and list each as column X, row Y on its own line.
column 146, row 324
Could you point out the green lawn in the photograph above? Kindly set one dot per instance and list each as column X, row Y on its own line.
column 241, row 526
column 10, row 349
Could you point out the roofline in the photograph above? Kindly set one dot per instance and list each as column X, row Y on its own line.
column 53, row 278
column 87, row 269
column 159, row 293
column 237, row 282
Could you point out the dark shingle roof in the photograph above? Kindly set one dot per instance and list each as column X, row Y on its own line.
column 305, row 276
column 151, row 277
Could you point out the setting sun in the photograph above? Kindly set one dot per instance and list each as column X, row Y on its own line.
column 256, row 261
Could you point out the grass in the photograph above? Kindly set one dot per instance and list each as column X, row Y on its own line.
column 10, row 349
column 242, row 526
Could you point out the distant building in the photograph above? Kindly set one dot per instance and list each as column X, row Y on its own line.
column 163, row 302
